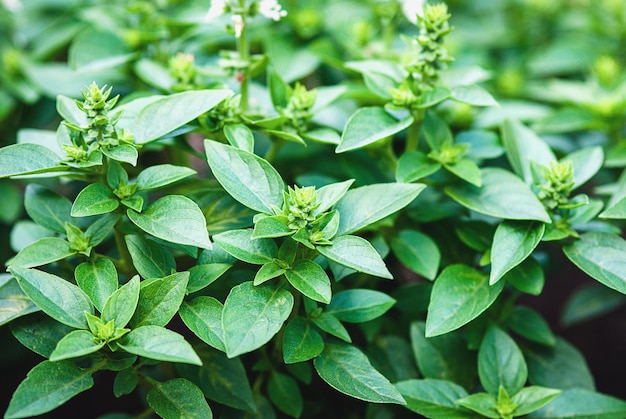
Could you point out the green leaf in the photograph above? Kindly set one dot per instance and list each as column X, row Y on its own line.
column 586, row 162
column 98, row 278
column 601, row 256
column 436, row 131
column 47, row 208
column 161, row 175
column 149, row 258
column 356, row 253
column 39, row 333
column 160, row 299
column 415, row 165
column 346, row 369
column 284, row 392
column 522, row 146
column 465, row 169
column 121, row 305
column 330, row 324
column 301, row 342
column 533, row 398
column 158, row 343
column 125, row 153
column 443, row 357
column 434, row 96
column 310, row 279
column 25, row 158
column 56, row 297
column 434, row 399
column 460, row 294
column 42, row 252
column 473, row 95
column 418, row 252
column 512, row 243
column 369, row 125
column 527, row 277
column 221, row 379
column 13, row 302
column 174, row 218
column 95, row 199
column 268, row 271
column 271, row 227
column 483, row 403
column 239, row 243
column 501, row 363
column 47, row 386
column 253, row 315
column 329, row 195
column 578, row 403
column 201, row 276
column 178, row 398
column 589, row 302
column 240, row 136
column 359, row 305
column 562, row 366
column 503, row 195
column 101, row 228
column 125, row 382
column 75, row 344
column 164, row 115
column 363, row 206
column 528, row 323
column 203, row 316
column 246, row 177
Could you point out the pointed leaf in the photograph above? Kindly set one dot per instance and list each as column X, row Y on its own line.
column 328, row 195
column 369, row 125
column 178, row 398
column 160, row 299
column 98, row 278
column 121, row 305
column 239, row 243
column 161, row 175
column 253, row 315
column 13, row 302
column 174, row 218
column 359, row 305
column 512, row 243
column 578, row 403
column 473, row 95
column 418, row 252
column 415, row 165
column 363, row 206
column 58, row 298
column 522, row 146
column 125, row 153
column 158, row 343
column 39, row 333
column 47, row 208
column 203, row 316
column 501, row 363
column 460, row 294
column 503, row 195
column 240, row 136
column 528, row 323
column 301, row 342
column 586, row 162
column 482, row 403
column 26, row 158
column 284, row 392
column 164, row 115
column 347, row 369
column 93, row 200
column 330, row 324
column 75, row 344
column 42, row 252
column 47, row 386
column 149, row 258
column 356, row 253
column 246, row 177
column 201, row 276
column 533, row 398
column 311, row 280
column 434, row 398
column 465, row 169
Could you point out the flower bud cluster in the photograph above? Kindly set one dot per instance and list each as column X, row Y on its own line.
column 299, row 206
column 559, row 182
column 298, row 109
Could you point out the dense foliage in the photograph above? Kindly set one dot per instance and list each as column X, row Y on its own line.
column 310, row 209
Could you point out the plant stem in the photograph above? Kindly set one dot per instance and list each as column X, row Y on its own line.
column 413, row 136
column 277, row 144
column 243, row 48
column 125, row 258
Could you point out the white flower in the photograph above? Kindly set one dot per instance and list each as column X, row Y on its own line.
column 12, row 5
column 271, row 10
column 412, row 8
column 238, row 24
column 217, row 9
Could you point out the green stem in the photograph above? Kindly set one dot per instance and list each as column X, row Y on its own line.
column 277, row 144
column 243, row 48
column 126, row 263
column 413, row 136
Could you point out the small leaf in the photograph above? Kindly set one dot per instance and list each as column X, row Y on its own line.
column 42, row 252
column 578, row 403
column 284, row 392
column 75, row 344
column 246, row 177
column 460, row 294
column 356, row 253
column 501, row 363
column 164, row 115
column 59, row 299
column 203, row 316
column 415, row 165
column 158, row 343
column 527, row 277
column 328, row 195
column 271, row 227
column 39, row 333
column 240, row 136
column 330, row 324
column 98, row 278
column 483, row 403
column 125, row 153
column 161, row 175
column 512, row 243
column 253, row 315
column 25, row 158
column 418, row 252
column 301, row 342
column 586, row 162
column 473, row 95
column 359, row 305
column 522, row 146
column 369, row 125
column 201, row 276
column 125, row 382
column 178, row 398
column 533, row 398
column 47, row 386
column 95, row 199
column 601, row 256
column 590, row 302
column 159, row 300
column 502, row 195
column 311, row 280
column 268, row 271
column 121, row 305
column 363, row 206
column 528, row 323
column 13, row 302
column 149, row 258
column 174, row 218
column 239, row 243
column 434, row 398
column 346, row 369
column 47, row 208
column 465, row 169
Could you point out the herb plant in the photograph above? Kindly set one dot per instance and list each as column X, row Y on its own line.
column 248, row 209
